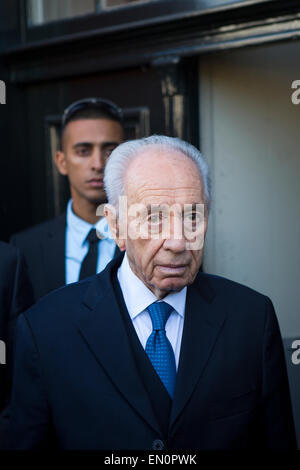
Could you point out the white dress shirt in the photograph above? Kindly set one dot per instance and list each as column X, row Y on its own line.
column 138, row 297
column 77, row 245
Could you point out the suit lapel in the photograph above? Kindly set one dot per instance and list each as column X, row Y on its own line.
column 54, row 253
column 202, row 326
column 102, row 327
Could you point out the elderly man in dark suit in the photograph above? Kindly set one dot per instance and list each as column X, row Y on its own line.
column 151, row 353
column 15, row 296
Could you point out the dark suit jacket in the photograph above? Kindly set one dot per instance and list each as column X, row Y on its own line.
column 75, row 376
column 15, row 297
column 44, row 249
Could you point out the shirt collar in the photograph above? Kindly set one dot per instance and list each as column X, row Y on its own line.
column 138, row 297
column 103, row 228
column 80, row 228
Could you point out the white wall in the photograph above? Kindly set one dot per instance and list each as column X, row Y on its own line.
column 250, row 134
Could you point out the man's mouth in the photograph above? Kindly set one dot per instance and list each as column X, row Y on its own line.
column 172, row 269
column 96, row 182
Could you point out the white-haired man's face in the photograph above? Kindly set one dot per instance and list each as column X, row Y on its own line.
column 166, row 221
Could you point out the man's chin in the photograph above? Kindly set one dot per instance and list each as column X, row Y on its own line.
column 170, row 285
column 97, row 199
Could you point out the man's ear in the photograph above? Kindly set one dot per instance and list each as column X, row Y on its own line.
column 113, row 223
column 60, row 162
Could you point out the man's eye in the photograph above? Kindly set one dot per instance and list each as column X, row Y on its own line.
column 193, row 217
column 154, row 218
column 83, row 151
column 108, row 150
column 157, row 217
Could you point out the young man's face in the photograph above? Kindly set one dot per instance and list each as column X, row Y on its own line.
column 87, row 144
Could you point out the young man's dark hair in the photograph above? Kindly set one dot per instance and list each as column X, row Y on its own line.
column 90, row 108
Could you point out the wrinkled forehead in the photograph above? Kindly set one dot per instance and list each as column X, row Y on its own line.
column 163, row 169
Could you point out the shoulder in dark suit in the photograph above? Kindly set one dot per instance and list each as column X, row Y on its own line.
column 15, row 297
column 76, row 377
column 43, row 247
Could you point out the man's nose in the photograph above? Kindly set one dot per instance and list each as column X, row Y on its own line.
column 97, row 159
column 175, row 241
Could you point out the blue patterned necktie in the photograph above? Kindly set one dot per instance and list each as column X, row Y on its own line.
column 158, row 347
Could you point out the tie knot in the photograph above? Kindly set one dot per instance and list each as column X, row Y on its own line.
column 159, row 313
column 92, row 236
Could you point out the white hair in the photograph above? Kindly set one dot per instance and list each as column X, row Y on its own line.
column 121, row 156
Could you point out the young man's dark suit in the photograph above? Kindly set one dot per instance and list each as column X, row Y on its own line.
column 15, row 297
column 82, row 376
column 43, row 247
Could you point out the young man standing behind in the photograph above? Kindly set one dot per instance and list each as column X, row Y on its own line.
column 68, row 248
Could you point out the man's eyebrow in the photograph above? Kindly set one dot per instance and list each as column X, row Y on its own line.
column 160, row 207
column 91, row 144
column 194, row 205
column 82, row 144
column 154, row 207
column 108, row 144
